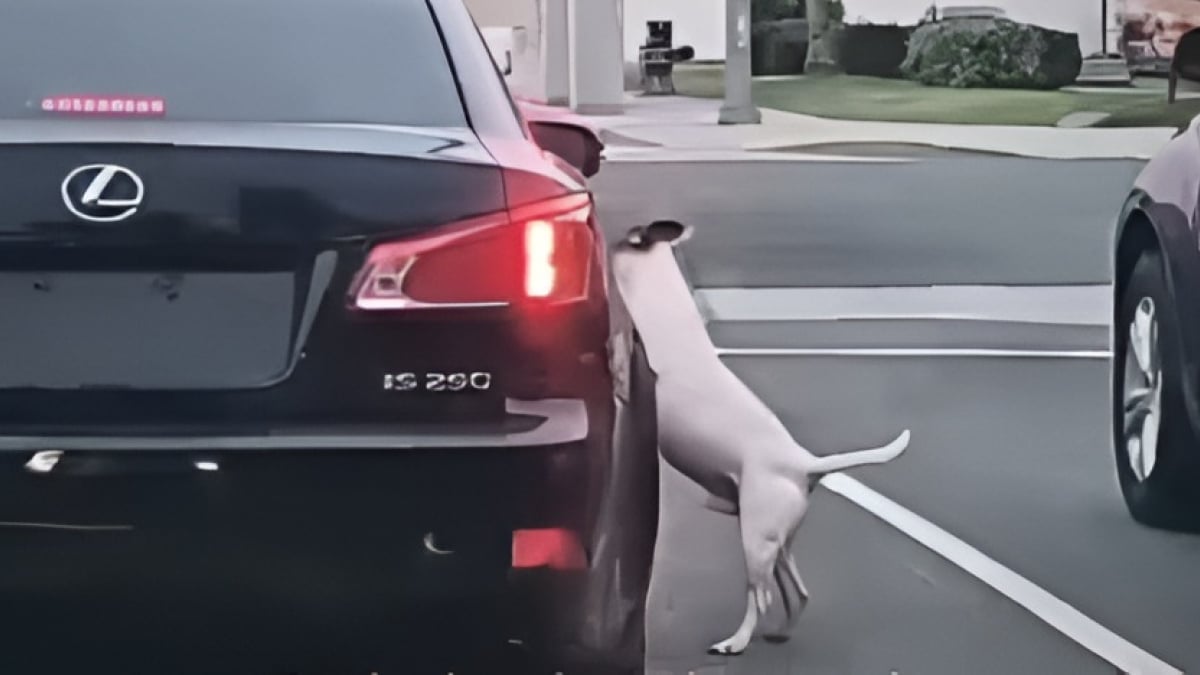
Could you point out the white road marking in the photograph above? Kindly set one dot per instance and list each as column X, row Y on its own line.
column 1083, row 305
column 1088, row 633
column 1089, row 305
column 917, row 352
column 1124, row 655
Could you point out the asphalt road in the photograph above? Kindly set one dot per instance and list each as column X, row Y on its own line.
column 1009, row 455
column 1026, row 480
column 951, row 220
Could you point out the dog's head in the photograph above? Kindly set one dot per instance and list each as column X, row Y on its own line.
column 644, row 265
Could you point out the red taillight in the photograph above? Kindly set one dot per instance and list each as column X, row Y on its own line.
column 116, row 106
column 539, row 253
column 540, row 273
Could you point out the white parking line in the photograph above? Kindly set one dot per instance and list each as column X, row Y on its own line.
column 1073, row 624
column 918, row 352
column 1124, row 655
column 1088, row 305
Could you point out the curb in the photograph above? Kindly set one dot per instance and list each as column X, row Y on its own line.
column 786, row 132
column 960, row 148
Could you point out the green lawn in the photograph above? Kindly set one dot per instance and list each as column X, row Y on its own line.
column 868, row 98
column 1154, row 113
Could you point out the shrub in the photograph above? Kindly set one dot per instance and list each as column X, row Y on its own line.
column 779, row 47
column 773, row 10
column 992, row 53
column 837, row 11
column 874, row 49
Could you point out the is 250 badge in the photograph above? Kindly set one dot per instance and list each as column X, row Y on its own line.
column 451, row 382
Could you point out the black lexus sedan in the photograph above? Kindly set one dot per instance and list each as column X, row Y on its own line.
column 310, row 359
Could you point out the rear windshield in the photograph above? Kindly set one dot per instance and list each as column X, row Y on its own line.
column 349, row 61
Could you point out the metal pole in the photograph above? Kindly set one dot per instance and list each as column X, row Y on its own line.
column 739, row 106
column 1104, row 27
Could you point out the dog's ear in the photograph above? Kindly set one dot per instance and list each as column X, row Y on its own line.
column 670, row 232
column 636, row 238
column 667, row 232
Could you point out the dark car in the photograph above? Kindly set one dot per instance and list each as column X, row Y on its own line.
column 311, row 361
column 1156, row 339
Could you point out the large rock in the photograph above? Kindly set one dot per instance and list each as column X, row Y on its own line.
column 778, row 47
column 992, row 52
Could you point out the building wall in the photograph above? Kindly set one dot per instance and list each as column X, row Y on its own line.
column 1074, row 16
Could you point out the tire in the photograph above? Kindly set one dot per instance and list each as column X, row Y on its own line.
column 640, row 503
column 1155, row 470
column 594, row 622
column 614, row 639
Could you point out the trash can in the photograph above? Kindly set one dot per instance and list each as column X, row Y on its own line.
column 657, row 59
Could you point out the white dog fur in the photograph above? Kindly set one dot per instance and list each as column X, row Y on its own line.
column 716, row 431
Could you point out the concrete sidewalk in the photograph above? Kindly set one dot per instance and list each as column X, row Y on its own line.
column 676, row 126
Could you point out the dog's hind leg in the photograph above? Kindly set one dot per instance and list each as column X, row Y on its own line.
column 794, row 576
column 782, row 633
column 786, row 575
column 770, row 508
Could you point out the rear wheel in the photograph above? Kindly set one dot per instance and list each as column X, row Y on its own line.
column 620, row 623
column 611, row 635
column 1152, row 435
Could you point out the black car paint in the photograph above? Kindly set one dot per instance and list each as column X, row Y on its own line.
column 310, row 556
column 224, row 211
column 486, row 99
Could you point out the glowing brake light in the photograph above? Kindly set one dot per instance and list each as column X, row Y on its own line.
column 103, row 105
column 539, row 259
column 536, row 254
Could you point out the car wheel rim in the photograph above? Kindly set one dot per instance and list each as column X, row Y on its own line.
column 1142, row 390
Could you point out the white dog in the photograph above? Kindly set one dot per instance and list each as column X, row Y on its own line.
column 714, row 430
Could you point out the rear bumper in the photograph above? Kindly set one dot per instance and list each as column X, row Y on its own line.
column 528, row 424
column 283, row 557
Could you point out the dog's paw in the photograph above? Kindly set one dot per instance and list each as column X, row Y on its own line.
column 730, row 647
column 777, row 638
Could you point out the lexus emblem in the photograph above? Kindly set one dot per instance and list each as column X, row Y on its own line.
column 103, row 193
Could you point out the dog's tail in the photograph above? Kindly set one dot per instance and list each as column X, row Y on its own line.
column 850, row 460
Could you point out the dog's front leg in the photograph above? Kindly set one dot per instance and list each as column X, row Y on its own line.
column 737, row 643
